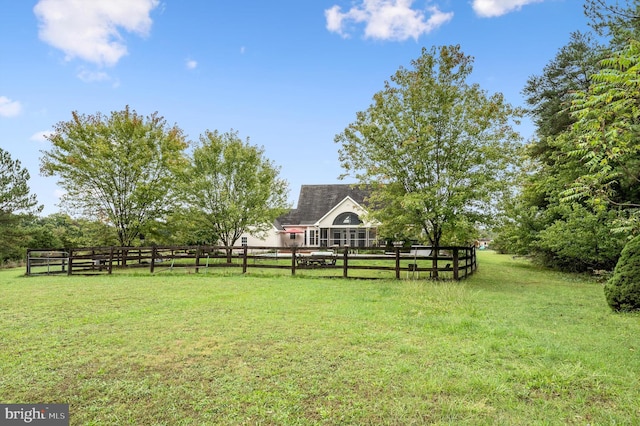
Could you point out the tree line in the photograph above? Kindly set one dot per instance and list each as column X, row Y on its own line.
column 128, row 177
column 579, row 198
column 578, row 207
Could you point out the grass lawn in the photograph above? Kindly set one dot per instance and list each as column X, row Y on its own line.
column 511, row 345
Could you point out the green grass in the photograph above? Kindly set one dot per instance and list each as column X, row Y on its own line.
column 511, row 345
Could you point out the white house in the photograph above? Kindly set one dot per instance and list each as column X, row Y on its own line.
column 326, row 216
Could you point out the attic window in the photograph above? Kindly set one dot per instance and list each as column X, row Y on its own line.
column 346, row 219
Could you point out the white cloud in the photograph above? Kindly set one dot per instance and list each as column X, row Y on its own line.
column 9, row 108
column 89, row 30
column 492, row 8
column 41, row 136
column 89, row 76
column 191, row 64
column 387, row 19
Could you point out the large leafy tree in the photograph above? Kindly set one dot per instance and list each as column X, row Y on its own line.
column 605, row 138
column 549, row 97
column 15, row 195
column 618, row 20
column 548, row 170
column 435, row 148
column 230, row 189
column 16, row 201
column 606, row 114
column 549, row 94
column 584, row 159
column 606, row 133
column 118, row 168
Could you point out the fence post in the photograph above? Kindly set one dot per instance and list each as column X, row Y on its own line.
column 244, row 259
column 467, row 261
column 28, row 262
column 435, row 273
column 397, row 250
column 293, row 260
column 70, row 261
column 197, row 259
column 456, row 275
column 110, row 267
column 345, row 262
column 474, row 265
column 154, row 252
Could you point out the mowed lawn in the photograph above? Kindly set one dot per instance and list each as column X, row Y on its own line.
column 511, row 345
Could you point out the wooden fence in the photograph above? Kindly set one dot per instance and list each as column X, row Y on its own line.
column 449, row 262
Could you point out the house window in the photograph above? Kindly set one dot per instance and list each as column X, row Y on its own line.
column 348, row 218
column 244, row 242
column 292, row 236
column 313, row 237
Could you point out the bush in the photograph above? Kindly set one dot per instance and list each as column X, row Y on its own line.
column 581, row 240
column 623, row 289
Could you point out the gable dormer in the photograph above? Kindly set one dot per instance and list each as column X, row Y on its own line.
column 344, row 214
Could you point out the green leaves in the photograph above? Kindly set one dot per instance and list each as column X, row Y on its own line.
column 441, row 147
column 583, row 186
column 118, row 168
column 230, row 188
column 14, row 188
column 16, row 202
column 622, row 291
column 606, row 133
column 131, row 171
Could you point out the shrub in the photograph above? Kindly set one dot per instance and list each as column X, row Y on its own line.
column 623, row 289
column 580, row 240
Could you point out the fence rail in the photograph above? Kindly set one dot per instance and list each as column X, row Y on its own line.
column 448, row 262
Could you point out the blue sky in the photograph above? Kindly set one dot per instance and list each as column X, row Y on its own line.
column 289, row 75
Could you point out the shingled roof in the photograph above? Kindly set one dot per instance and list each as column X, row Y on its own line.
column 315, row 201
